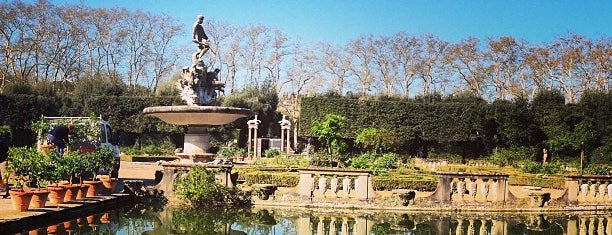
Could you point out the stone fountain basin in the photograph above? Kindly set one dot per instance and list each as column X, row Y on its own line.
column 197, row 115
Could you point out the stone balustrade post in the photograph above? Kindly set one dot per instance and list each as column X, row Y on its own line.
column 322, row 185
column 461, row 189
column 334, row 186
column 305, row 184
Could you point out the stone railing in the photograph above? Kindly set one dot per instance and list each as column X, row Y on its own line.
column 336, row 183
column 587, row 189
column 471, row 187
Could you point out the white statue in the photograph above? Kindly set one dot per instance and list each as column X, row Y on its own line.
column 284, row 122
column 254, row 121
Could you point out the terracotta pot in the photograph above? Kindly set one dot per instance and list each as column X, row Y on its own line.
column 69, row 226
column 94, row 187
column 105, row 219
column 54, row 229
column 39, row 198
column 21, row 199
column 57, row 194
column 71, row 192
column 82, row 193
column 93, row 220
column 109, row 183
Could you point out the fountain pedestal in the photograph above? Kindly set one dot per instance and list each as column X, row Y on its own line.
column 197, row 118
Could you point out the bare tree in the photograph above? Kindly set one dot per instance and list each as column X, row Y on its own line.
column 387, row 66
column 431, row 61
column 275, row 58
column 406, row 50
column 468, row 62
column 509, row 77
column 163, row 56
column 257, row 39
column 336, row 63
column 361, row 66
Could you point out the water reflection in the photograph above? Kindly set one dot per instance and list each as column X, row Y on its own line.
column 237, row 221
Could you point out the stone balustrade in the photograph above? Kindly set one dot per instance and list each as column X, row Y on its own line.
column 471, row 187
column 587, row 189
column 336, row 183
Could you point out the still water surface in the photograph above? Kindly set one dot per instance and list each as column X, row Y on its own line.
column 238, row 221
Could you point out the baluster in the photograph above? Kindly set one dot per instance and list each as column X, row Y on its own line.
column 346, row 185
column 484, row 188
column 582, row 227
column 453, row 187
column 610, row 193
column 459, row 230
column 483, row 227
column 591, row 226
column 322, row 185
column 345, row 230
column 332, row 226
column 334, row 186
column 602, row 191
column 584, row 188
column 609, row 224
column 321, row 226
column 461, row 188
column 600, row 226
column 593, row 191
column 472, row 188
column 495, row 189
column 470, row 228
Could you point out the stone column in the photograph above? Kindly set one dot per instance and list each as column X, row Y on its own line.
column 571, row 227
column 571, row 190
column 305, row 184
column 303, row 226
column 345, row 227
column 321, row 226
column 362, row 226
column 363, row 188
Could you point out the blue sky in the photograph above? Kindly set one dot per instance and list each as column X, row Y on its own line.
column 339, row 21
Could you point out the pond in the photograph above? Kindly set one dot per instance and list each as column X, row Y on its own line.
column 237, row 221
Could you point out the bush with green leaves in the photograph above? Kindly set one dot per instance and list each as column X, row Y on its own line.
column 363, row 161
column 598, row 169
column 511, row 156
column 551, row 168
column 29, row 166
column 271, row 153
column 377, row 140
column 199, row 187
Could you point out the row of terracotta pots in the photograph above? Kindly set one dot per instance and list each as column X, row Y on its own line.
column 74, row 226
column 57, row 194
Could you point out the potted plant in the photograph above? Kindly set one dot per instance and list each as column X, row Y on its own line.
column 18, row 166
column 106, row 161
column 57, row 169
column 102, row 159
column 40, row 174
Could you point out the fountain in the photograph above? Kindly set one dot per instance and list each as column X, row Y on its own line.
column 198, row 88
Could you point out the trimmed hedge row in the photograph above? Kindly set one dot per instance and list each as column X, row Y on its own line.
column 386, row 183
column 291, row 179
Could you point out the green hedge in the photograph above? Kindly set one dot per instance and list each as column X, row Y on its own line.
column 386, row 183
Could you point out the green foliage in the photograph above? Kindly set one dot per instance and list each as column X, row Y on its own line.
column 271, row 153
column 328, row 131
column 551, row 168
column 385, row 162
column 363, row 161
column 75, row 165
column 377, row 140
column 154, row 150
column 29, row 166
column 280, row 179
column 387, row 183
column 200, row 189
column 6, row 132
column 598, row 169
column 511, row 156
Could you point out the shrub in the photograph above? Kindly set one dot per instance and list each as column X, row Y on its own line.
column 548, row 169
column 598, row 169
column 363, row 161
column 271, row 153
column 508, row 157
column 200, row 189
